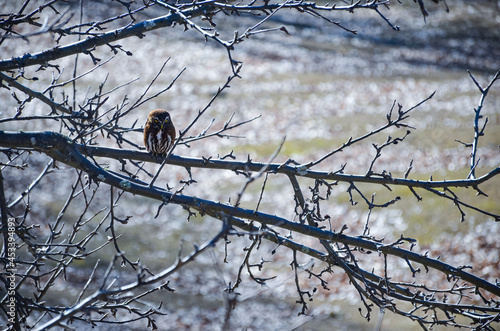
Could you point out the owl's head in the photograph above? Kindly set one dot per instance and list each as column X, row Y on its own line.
column 158, row 118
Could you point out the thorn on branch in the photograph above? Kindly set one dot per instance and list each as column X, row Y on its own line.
column 419, row 198
column 190, row 213
column 413, row 271
column 283, row 28
column 463, row 143
column 206, row 160
column 95, row 60
column 230, row 155
column 410, row 167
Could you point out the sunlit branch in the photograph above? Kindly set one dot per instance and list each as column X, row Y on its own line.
column 44, row 140
column 105, row 293
column 37, row 95
column 61, row 149
column 478, row 132
column 86, row 45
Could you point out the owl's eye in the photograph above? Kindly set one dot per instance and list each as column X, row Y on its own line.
column 156, row 120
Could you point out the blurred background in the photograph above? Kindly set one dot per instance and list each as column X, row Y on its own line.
column 318, row 85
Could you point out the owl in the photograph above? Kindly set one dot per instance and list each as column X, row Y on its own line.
column 159, row 132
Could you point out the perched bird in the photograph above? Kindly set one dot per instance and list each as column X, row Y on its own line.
column 159, row 132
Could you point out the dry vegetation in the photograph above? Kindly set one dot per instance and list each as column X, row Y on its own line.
column 316, row 84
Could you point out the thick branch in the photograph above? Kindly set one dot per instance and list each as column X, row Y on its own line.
column 41, row 140
column 92, row 42
column 60, row 148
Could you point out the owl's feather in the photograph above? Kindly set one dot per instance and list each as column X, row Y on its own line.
column 159, row 132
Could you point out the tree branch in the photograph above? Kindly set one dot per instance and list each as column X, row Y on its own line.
column 62, row 149
column 86, row 45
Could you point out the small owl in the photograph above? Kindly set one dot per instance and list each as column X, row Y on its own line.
column 159, row 132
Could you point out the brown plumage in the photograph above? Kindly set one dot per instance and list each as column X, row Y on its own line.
column 159, row 132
